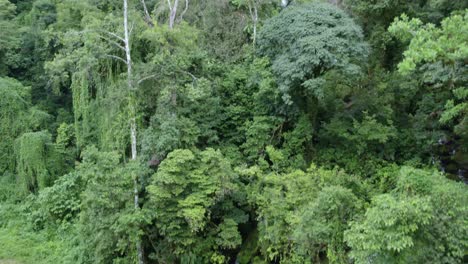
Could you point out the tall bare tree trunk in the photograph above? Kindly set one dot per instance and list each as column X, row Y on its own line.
column 172, row 12
column 254, row 15
column 133, row 127
column 172, row 17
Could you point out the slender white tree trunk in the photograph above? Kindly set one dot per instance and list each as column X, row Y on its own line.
column 133, row 128
column 127, row 50
column 172, row 12
column 284, row 3
column 172, row 17
column 254, row 15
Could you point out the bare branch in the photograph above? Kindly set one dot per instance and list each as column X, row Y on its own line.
column 147, row 78
column 116, row 57
column 185, row 11
column 114, row 35
column 194, row 78
column 148, row 19
column 170, row 6
column 191, row 75
column 112, row 42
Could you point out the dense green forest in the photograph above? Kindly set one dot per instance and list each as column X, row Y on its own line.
column 233, row 131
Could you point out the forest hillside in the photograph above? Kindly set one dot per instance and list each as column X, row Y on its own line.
column 233, row 131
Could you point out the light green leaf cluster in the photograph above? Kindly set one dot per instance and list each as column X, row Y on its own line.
column 428, row 43
column 412, row 224
column 297, row 227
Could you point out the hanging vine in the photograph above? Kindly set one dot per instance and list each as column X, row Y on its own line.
column 31, row 151
column 13, row 111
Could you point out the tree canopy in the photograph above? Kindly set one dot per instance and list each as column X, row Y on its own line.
column 233, row 131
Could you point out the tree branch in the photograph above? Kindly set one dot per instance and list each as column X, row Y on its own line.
column 147, row 15
column 114, row 35
column 185, row 11
column 147, row 78
column 116, row 57
column 113, row 42
column 191, row 75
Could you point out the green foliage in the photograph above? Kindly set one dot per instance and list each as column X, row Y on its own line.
column 438, row 55
column 431, row 44
column 297, row 227
column 20, row 246
column 389, row 226
column 38, row 161
column 108, row 221
column 14, row 104
column 59, row 203
column 225, row 27
column 20, row 243
column 11, row 38
column 229, row 127
column 425, row 221
column 190, row 192
column 361, row 135
column 32, row 152
column 306, row 41
column 375, row 17
column 182, row 105
column 259, row 134
column 323, row 222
